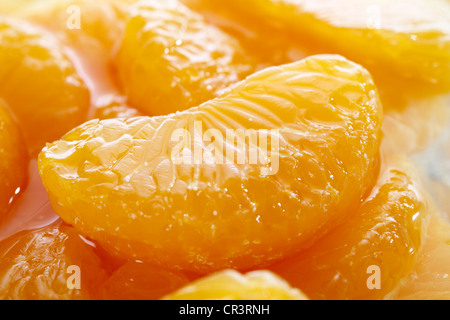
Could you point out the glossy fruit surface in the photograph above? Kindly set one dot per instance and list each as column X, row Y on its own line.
column 296, row 172
column 96, row 25
column 430, row 278
column 43, row 264
column 111, row 106
column 39, row 84
column 172, row 59
column 127, row 184
column 231, row 285
column 372, row 251
column 13, row 159
column 410, row 39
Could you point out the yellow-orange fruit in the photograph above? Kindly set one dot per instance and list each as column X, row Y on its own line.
column 172, row 59
column 110, row 107
column 39, row 84
column 127, row 184
column 231, row 285
column 430, row 278
column 406, row 38
column 372, row 251
column 83, row 24
column 51, row 263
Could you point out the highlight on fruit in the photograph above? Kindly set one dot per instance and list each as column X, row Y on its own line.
column 224, row 150
column 249, row 147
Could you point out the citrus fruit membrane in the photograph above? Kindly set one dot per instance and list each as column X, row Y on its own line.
column 127, row 184
column 112, row 106
column 39, row 84
column 44, row 264
column 171, row 59
column 368, row 255
column 231, row 285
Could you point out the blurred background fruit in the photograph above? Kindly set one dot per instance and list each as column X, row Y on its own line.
column 117, row 181
column 39, row 84
column 35, row 265
column 171, row 59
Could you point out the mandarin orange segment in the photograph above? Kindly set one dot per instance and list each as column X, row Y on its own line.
column 53, row 262
column 138, row 280
column 80, row 23
column 266, row 45
column 372, row 251
column 231, row 285
column 430, row 279
column 172, row 59
column 127, row 184
column 13, row 160
column 408, row 38
column 39, row 84
column 110, row 106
